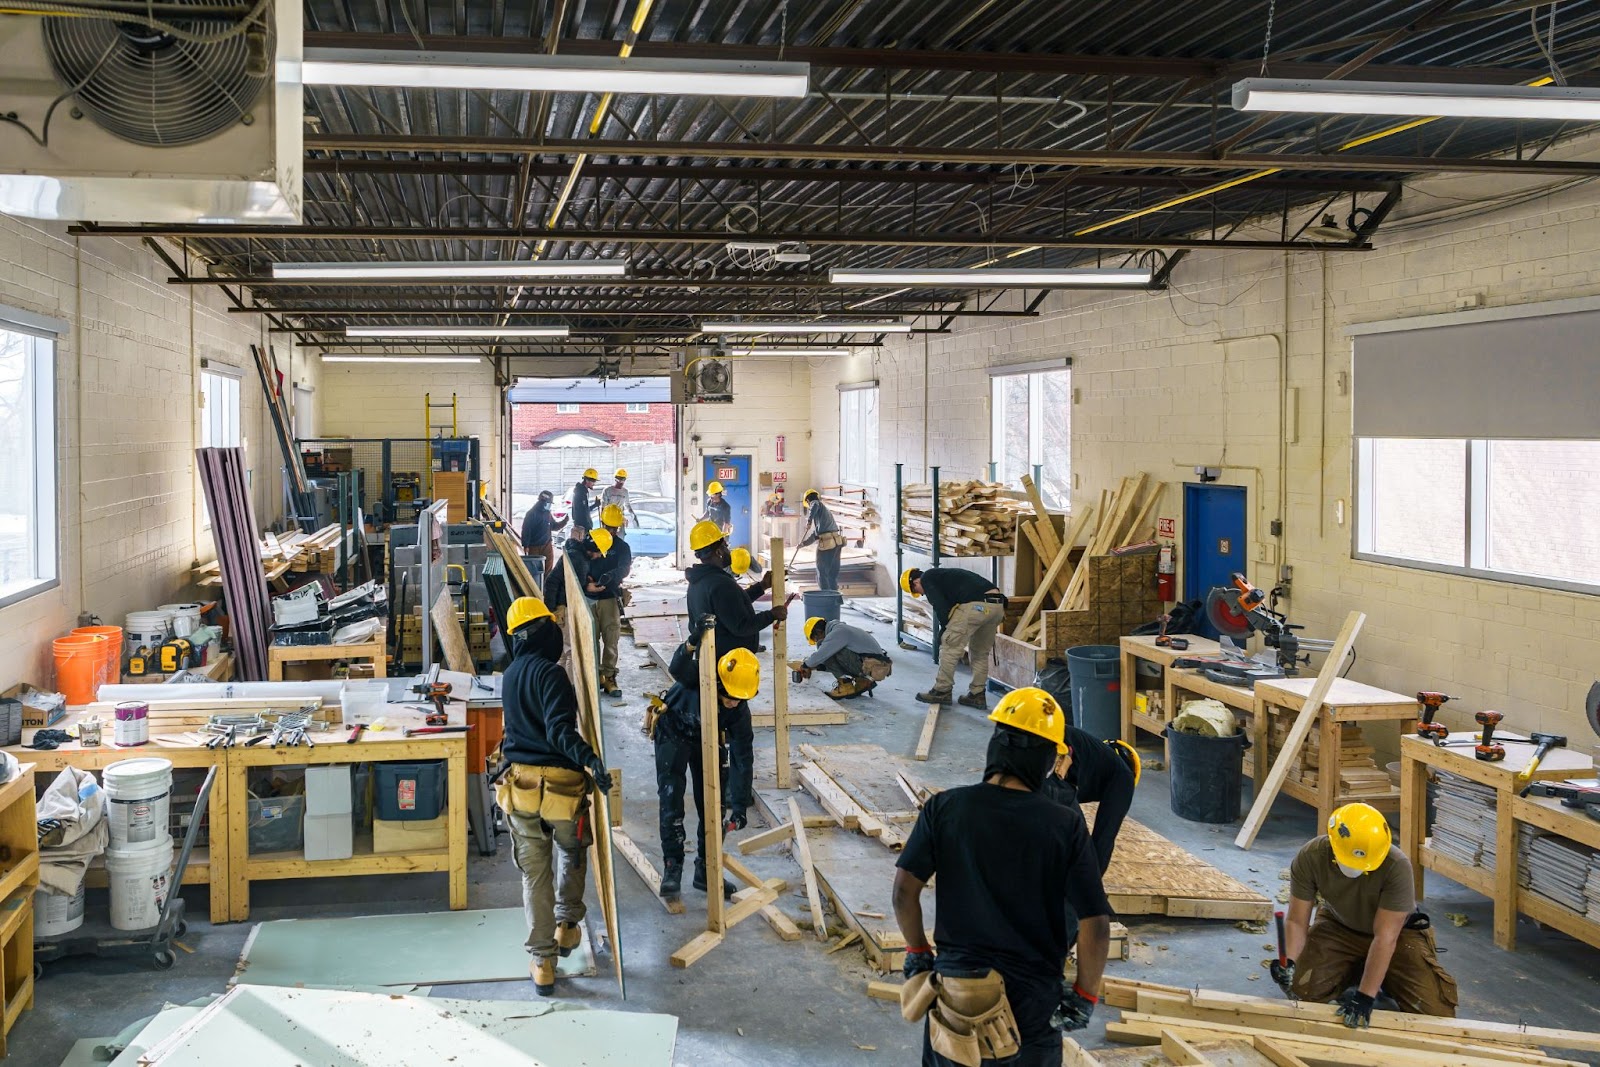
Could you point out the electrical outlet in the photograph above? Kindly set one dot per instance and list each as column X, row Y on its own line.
column 1266, row 552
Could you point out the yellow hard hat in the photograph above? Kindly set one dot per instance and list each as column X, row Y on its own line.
column 703, row 534
column 611, row 515
column 713, row 488
column 741, row 560
column 622, row 472
column 1035, row 712
column 1360, row 836
column 1130, row 756
column 740, row 673
column 523, row 610
column 811, row 494
column 591, row 475
column 905, row 581
column 602, row 540
column 811, row 627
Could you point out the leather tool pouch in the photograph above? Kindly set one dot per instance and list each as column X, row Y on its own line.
column 876, row 668
column 829, row 541
column 969, row 1019
column 552, row 793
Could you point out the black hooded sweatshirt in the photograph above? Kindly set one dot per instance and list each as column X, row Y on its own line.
column 541, row 710
column 713, row 591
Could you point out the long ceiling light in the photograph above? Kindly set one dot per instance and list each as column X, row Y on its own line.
column 979, row 278
column 457, row 331
column 399, row 359
column 557, row 74
column 801, row 352
column 1418, row 98
column 819, row 326
column 539, row 268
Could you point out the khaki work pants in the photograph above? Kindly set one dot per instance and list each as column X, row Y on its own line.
column 608, row 620
column 1335, row 956
column 971, row 629
column 554, row 860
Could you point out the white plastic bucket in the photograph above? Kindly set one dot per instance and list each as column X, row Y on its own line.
column 144, row 629
column 182, row 619
column 140, row 880
column 132, row 724
column 54, row 914
column 140, row 796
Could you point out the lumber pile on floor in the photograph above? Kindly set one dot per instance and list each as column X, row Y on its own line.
column 918, row 619
column 1198, row 1027
column 864, row 789
column 854, row 510
column 1359, row 773
column 857, row 567
column 975, row 519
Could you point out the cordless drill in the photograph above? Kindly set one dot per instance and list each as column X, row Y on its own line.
column 1487, row 748
column 1427, row 724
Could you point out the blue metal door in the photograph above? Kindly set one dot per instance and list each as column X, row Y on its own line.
column 1213, row 540
column 734, row 472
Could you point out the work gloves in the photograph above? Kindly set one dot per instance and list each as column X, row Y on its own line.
column 917, row 961
column 1355, row 1008
column 1075, row 1008
column 1283, row 974
column 734, row 819
column 601, row 776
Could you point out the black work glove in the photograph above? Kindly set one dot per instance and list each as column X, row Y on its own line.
column 1075, row 1008
column 601, row 776
column 1355, row 1008
column 917, row 961
column 734, row 819
column 1283, row 974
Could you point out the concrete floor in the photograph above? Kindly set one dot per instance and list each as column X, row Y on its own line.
column 757, row 1000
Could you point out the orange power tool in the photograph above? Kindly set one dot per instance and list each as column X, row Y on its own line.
column 1428, row 725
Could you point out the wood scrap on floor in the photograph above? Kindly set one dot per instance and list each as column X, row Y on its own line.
column 1150, row 875
column 857, row 784
column 645, row 870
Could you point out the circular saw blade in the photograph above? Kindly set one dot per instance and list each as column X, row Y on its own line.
column 1591, row 707
column 1224, row 613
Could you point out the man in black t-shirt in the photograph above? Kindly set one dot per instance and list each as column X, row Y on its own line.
column 1019, row 883
column 968, row 609
column 1096, row 772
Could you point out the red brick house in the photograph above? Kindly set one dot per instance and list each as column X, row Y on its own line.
column 537, row 425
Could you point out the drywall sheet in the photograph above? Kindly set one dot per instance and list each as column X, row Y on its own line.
column 373, row 951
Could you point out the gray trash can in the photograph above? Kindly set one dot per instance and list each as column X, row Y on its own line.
column 823, row 604
column 1096, row 672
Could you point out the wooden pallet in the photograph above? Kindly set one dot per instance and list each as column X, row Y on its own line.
column 1150, row 875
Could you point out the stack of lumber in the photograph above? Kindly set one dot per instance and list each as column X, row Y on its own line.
column 975, row 519
column 1198, row 1027
column 857, row 568
column 310, row 552
column 1464, row 826
column 918, row 619
column 854, row 510
column 1359, row 773
column 864, row 789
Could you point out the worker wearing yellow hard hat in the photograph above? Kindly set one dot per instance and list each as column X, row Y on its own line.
column 603, row 586
column 542, row 786
column 584, row 503
column 616, row 508
column 714, row 592
column 1103, row 773
column 822, row 530
column 538, row 529
column 1017, row 888
column 1368, row 937
column 718, row 510
column 968, row 610
column 853, row 656
column 584, row 555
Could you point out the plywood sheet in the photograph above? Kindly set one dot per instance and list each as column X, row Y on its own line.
column 867, row 773
column 1150, row 875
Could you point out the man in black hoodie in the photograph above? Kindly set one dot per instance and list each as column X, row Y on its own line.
column 604, row 588
column 714, row 591
column 538, row 529
column 544, row 789
column 1096, row 772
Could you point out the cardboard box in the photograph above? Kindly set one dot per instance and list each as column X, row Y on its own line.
column 36, row 718
column 327, row 793
column 417, row 835
column 330, row 837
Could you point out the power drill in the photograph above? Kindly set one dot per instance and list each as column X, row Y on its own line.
column 1487, row 748
column 1427, row 725
column 432, row 689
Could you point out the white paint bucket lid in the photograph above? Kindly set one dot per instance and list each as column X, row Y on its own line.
column 135, row 777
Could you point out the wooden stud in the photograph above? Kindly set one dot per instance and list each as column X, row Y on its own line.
column 711, row 769
column 834, row 800
column 1143, row 516
column 699, row 946
column 645, row 870
column 925, row 742
column 884, row 991
column 802, row 855
column 780, row 673
column 1180, row 1052
column 1057, row 565
column 766, row 839
column 1280, row 1056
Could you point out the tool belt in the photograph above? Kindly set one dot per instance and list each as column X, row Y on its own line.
column 969, row 1019
column 829, row 541
column 554, row 794
column 876, row 668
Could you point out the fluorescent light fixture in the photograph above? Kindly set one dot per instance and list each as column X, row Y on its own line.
column 537, row 268
column 399, row 359
column 986, row 278
column 1418, row 98
column 819, row 326
column 556, row 74
column 456, row 331
column 802, row 352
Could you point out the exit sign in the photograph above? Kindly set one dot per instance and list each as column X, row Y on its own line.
column 727, row 474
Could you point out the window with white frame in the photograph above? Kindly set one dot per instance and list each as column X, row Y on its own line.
column 858, row 434
column 1031, row 427
column 636, row 409
column 28, row 545
column 219, row 410
column 566, row 409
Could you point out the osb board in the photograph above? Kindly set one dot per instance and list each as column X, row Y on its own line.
column 805, row 697
column 1150, row 875
column 1234, row 1053
column 1016, row 662
column 866, row 772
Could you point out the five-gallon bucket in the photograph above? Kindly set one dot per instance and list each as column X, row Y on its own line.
column 140, row 880
column 1096, row 672
column 182, row 619
column 112, row 649
column 146, row 629
column 55, row 914
column 140, row 796
column 1207, row 775
column 80, row 666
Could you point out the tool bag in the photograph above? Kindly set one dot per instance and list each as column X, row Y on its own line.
column 969, row 1019
column 555, row 794
column 829, row 541
column 876, row 668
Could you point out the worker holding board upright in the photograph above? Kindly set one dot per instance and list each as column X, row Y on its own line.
column 1368, row 938
column 1097, row 772
column 543, row 787
column 1018, row 886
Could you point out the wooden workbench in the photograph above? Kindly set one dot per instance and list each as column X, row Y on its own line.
column 1417, row 756
column 374, row 651
column 1135, row 649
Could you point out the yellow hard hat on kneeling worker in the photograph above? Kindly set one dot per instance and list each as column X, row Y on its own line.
column 602, row 540
column 740, row 673
column 704, row 534
column 811, row 627
column 523, row 610
column 1035, row 712
column 1360, row 837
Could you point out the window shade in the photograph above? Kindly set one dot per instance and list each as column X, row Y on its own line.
column 1524, row 377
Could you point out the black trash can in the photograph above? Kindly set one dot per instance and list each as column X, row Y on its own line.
column 1207, row 775
column 1056, row 679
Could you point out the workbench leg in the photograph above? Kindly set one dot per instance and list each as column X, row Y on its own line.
column 274, row 669
column 221, row 837
column 1505, row 872
column 235, row 782
column 1327, row 765
column 1413, row 816
column 1130, row 679
column 380, row 662
column 456, row 783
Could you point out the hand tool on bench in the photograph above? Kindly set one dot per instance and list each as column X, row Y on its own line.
column 1427, row 720
column 413, row 731
column 432, row 689
column 1545, row 742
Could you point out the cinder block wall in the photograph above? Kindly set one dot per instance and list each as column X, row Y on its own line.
column 1201, row 373
column 130, row 509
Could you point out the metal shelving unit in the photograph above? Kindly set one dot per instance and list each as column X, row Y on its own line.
column 933, row 553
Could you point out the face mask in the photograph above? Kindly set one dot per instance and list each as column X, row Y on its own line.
column 1350, row 872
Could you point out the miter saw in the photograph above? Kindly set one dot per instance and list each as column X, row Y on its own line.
column 1239, row 609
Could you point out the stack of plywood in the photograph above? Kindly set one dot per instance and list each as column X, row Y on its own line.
column 975, row 519
column 1150, row 875
column 1464, row 821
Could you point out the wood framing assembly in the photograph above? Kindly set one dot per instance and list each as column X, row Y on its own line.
column 1150, row 875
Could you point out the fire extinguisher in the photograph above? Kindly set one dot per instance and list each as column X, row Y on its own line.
column 1167, row 575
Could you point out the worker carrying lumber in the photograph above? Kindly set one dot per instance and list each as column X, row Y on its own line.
column 677, row 738
column 584, row 503
column 1369, row 938
column 616, row 495
column 822, row 530
column 1096, row 772
column 538, row 530
column 714, row 591
column 582, row 554
column 718, row 510
column 604, row 589
column 1007, row 858
column 547, row 769
column 853, row 656
column 969, row 610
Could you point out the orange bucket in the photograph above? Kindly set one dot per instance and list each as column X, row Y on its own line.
column 113, row 648
column 80, row 666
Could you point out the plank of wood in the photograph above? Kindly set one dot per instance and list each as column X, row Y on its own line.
column 781, row 924
column 765, row 839
column 645, row 870
column 696, row 948
column 884, row 990
column 780, row 673
column 1180, row 1052
column 457, row 656
column 1057, row 564
column 1349, row 1050
column 1047, row 544
column 843, row 943
column 511, row 552
column 1280, row 1056
column 1139, row 520
column 925, row 741
column 1267, row 789
column 804, row 718
column 711, row 769
column 830, row 796
column 802, row 855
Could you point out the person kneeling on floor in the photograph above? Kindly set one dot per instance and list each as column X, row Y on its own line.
column 853, row 656
column 1368, row 939
column 547, row 769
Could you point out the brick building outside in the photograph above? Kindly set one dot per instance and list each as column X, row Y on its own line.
column 534, row 425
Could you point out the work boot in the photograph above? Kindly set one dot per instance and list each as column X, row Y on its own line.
column 700, row 881
column 849, row 688
column 568, row 937
column 935, row 696
column 543, row 972
column 671, row 878
column 975, row 700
